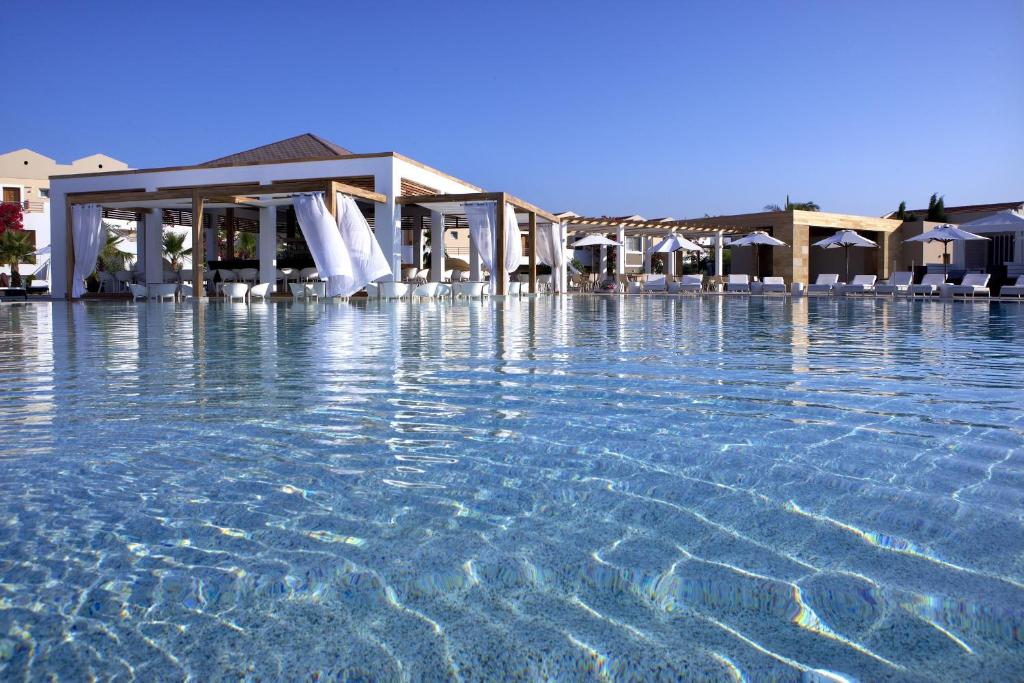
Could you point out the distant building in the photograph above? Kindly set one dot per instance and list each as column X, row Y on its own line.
column 25, row 180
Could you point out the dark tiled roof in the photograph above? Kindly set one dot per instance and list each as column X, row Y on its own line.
column 298, row 148
column 974, row 208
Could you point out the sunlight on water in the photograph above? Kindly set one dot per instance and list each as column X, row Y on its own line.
column 584, row 488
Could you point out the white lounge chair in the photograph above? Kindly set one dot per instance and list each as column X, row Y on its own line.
column 298, row 290
column 862, row 284
column 248, row 275
column 773, row 284
column 235, row 290
column 308, row 274
column 138, row 292
column 514, row 288
column 929, row 285
column 394, row 290
column 973, row 284
column 897, row 283
column 471, row 290
column 447, row 275
column 690, row 284
column 655, row 283
column 738, row 283
column 1016, row 289
column 185, row 291
column 260, row 291
column 166, row 290
column 427, row 290
column 124, row 278
column 825, row 283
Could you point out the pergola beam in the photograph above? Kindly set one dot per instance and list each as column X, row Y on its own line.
column 523, row 206
column 588, row 224
column 239, row 193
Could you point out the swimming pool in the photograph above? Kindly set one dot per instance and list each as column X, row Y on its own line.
column 571, row 488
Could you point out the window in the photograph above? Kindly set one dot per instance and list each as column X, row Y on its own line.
column 44, row 192
column 634, row 243
column 455, row 234
column 12, row 195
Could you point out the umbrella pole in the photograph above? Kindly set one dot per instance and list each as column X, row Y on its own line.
column 847, row 250
column 945, row 259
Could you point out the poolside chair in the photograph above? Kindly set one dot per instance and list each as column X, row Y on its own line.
column 544, row 283
column 447, row 275
column 738, row 284
column 298, row 290
column 260, row 291
column 690, row 284
column 124, row 278
column 248, row 275
column 166, row 290
column 138, row 292
column 773, row 284
column 862, row 284
column 825, row 283
column 226, row 275
column 427, row 290
column 973, row 284
column 394, row 290
column 656, row 283
column 108, row 283
column 308, row 274
column 897, row 283
column 929, row 285
column 470, row 290
column 1016, row 289
column 184, row 291
column 235, row 290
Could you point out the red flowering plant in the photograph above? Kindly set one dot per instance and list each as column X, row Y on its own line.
column 16, row 244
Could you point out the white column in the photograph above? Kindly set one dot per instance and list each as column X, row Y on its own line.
column 387, row 226
column 620, row 252
column 474, row 262
column 436, row 246
column 646, row 246
column 210, row 234
column 719, row 246
column 268, row 245
column 670, row 263
column 417, row 242
column 154, row 247
column 140, row 243
column 602, row 263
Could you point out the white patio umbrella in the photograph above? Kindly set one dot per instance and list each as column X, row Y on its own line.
column 945, row 233
column 595, row 241
column 844, row 239
column 756, row 239
column 673, row 243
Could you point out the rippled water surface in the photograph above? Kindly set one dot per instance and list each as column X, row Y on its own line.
column 566, row 488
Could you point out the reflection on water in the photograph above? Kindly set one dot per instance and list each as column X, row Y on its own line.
column 566, row 488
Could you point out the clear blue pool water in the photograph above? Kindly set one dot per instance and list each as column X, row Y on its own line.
column 575, row 489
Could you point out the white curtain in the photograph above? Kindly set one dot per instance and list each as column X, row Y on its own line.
column 482, row 217
column 368, row 260
column 324, row 241
column 513, row 243
column 87, row 231
column 550, row 251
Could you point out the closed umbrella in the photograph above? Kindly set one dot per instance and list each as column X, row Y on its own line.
column 595, row 241
column 945, row 233
column 756, row 239
column 844, row 239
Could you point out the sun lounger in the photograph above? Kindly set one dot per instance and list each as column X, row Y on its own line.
column 929, row 285
column 824, row 285
column 655, row 283
column 1016, row 289
column 972, row 285
column 862, row 284
column 691, row 284
column 897, row 284
column 738, row 283
column 773, row 284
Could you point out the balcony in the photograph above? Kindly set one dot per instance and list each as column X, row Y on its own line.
column 30, row 206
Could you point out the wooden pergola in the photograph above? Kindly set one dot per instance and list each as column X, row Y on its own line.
column 500, row 199
column 199, row 196
column 603, row 224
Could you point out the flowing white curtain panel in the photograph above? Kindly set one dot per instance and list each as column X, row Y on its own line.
column 368, row 260
column 513, row 243
column 87, row 231
column 324, row 241
column 550, row 251
column 482, row 217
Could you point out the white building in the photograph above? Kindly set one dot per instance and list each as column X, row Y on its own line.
column 251, row 192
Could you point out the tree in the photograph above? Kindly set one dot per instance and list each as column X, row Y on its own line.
column 16, row 246
column 112, row 258
column 793, row 206
column 11, row 217
column 901, row 213
column 245, row 245
column 174, row 249
column 937, row 209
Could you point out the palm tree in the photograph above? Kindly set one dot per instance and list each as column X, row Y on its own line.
column 245, row 245
column 112, row 258
column 174, row 249
column 793, row 206
column 16, row 246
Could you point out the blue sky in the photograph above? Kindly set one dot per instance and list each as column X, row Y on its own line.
column 658, row 108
